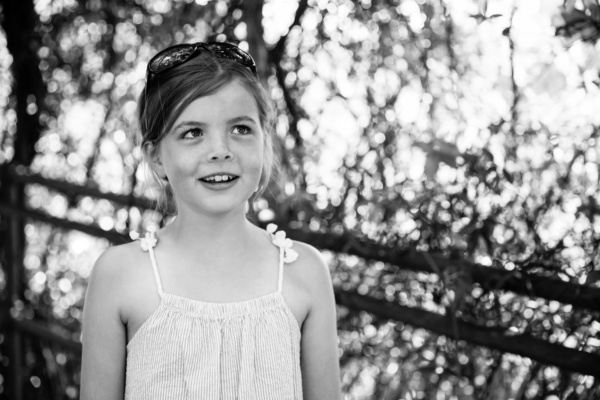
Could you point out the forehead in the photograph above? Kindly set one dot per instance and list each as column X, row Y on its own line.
column 229, row 101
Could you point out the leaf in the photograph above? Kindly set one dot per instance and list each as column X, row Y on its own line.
column 575, row 24
column 593, row 8
column 438, row 151
column 508, row 176
column 479, row 17
column 432, row 165
column 448, row 152
column 462, row 286
column 592, row 277
column 443, row 151
column 574, row 16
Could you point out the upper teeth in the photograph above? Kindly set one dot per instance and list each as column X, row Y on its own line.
column 218, row 178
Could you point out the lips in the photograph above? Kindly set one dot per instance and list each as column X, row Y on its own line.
column 219, row 177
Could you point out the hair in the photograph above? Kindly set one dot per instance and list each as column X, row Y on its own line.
column 169, row 93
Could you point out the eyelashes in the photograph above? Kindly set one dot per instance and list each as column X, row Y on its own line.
column 192, row 133
column 242, row 130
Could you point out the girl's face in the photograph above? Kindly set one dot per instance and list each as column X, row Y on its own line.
column 213, row 154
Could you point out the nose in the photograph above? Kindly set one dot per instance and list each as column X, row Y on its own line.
column 219, row 149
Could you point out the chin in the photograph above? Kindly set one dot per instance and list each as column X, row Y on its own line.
column 222, row 209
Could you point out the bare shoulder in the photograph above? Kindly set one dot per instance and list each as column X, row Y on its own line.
column 311, row 269
column 115, row 273
column 307, row 283
column 117, row 262
column 310, row 259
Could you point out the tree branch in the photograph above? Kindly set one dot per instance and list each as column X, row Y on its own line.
column 488, row 277
column 523, row 344
column 276, row 52
column 275, row 56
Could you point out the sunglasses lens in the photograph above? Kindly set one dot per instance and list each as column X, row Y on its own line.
column 225, row 50
column 179, row 54
column 170, row 57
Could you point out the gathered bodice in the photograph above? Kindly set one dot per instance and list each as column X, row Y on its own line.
column 190, row 349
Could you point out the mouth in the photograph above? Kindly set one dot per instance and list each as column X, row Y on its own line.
column 219, row 178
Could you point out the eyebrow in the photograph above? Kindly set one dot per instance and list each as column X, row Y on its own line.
column 242, row 118
column 183, row 124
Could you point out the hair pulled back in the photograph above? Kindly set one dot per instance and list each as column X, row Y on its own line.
column 167, row 94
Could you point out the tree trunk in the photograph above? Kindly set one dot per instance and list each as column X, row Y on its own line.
column 19, row 24
column 252, row 17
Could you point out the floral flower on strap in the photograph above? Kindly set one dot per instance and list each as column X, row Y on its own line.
column 148, row 241
column 279, row 240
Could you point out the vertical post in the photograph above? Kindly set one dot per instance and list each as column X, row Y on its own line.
column 17, row 246
column 23, row 41
column 13, row 239
column 252, row 17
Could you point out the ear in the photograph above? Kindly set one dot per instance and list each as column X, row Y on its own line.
column 152, row 156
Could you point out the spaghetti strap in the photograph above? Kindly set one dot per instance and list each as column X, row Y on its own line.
column 286, row 253
column 155, row 269
column 280, row 280
column 148, row 242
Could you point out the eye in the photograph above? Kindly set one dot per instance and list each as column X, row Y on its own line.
column 242, row 130
column 192, row 133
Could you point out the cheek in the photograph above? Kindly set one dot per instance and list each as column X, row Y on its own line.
column 256, row 153
column 177, row 162
column 260, row 155
column 257, row 161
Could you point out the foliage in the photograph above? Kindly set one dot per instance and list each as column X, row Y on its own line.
column 461, row 128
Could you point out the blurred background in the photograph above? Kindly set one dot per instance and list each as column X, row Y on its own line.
column 443, row 155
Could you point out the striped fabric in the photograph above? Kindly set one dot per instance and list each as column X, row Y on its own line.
column 190, row 349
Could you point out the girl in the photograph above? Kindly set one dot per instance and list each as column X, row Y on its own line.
column 211, row 306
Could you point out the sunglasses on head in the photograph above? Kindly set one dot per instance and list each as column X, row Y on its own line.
column 182, row 53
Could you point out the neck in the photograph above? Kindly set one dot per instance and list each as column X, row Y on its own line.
column 210, row 234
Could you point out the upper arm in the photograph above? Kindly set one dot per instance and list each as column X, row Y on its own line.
column 104, row 335
column 319, row 346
